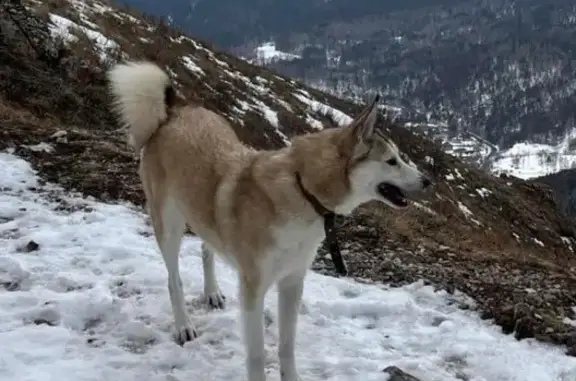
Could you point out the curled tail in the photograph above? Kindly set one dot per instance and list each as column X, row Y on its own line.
column 142, row 94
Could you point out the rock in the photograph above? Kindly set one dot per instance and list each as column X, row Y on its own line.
column 31, row 246
column 397, row 374
column 571, row 351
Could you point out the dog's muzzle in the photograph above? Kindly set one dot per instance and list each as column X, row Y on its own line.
column 393, row 194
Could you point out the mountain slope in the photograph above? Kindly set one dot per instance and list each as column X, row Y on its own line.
column 501, row 69
column 563, row 184
column 259, row 19
column 495, row 239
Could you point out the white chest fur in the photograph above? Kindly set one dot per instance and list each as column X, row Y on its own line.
column 296, row 246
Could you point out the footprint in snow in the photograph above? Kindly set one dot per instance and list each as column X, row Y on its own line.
column 12, row 276
column 139, row 337
column 350, row 293
column 46, row 313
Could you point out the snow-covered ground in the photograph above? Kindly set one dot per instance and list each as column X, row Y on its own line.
column 524, row 160
column 267, row 53
column 530, row 160
column 91, row 304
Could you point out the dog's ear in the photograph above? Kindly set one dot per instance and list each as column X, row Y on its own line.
column 362, row 127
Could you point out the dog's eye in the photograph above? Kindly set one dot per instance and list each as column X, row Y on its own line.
column 392, row 162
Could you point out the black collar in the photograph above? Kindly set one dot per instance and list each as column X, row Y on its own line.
column 329, row 226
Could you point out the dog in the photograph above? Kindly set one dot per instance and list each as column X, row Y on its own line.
column 256, row 209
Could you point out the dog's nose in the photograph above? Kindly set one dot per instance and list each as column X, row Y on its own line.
column 426, row 182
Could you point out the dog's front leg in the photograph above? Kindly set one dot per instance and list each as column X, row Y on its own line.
column 289, row 298
column 252, row 298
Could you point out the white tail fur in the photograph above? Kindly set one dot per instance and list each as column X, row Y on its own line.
column 139, row 91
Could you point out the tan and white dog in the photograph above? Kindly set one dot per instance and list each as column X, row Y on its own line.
column 249, row 206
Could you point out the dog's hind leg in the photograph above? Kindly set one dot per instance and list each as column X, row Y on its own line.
column 212, row 294
column 169, row 225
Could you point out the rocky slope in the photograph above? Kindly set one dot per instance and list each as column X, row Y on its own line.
column 563, row 185
column 502, row 241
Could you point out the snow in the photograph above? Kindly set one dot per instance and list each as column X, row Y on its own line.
column 529, row 160
column 314, row 123
column 465, row 209
column 458, row 174
column 568, row 242
column 267, row 53
column 40, row 147
column 270, row 115
column 61, row 28
column 260, row 88
column 192, row 66
column 215, row 59
column 424, row 208
column 465, row 145
column 91, row 304
column 483, row 192
column 320, row 108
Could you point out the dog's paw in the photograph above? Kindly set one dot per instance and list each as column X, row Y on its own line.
column 185, row 334
column 215, row 300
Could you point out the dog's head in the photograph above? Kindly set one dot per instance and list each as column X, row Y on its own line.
column 377, row 170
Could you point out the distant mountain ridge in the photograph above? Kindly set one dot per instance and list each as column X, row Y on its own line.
column 229, row 23
column 501, row 70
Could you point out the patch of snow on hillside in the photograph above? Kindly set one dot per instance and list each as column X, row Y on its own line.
column 483, row 192
column 215, row 59
column 314, row 123
column 321, row 108
column 197, row 46
column 468, row 213
column 529, row 160
column 568, row 242
column 192, row 66
column 181, row 39
column 465, row 145
column 92, row 7
column 270, row 115
column 260, row 107
column 61, row 28
column 92, row 304
column 258, row 88
column 267, row 53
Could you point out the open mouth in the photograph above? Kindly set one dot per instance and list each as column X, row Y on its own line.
column 393, row 194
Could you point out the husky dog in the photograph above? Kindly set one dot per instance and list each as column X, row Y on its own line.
column 253, row 208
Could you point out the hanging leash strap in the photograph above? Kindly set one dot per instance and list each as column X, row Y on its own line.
column 329, row 227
